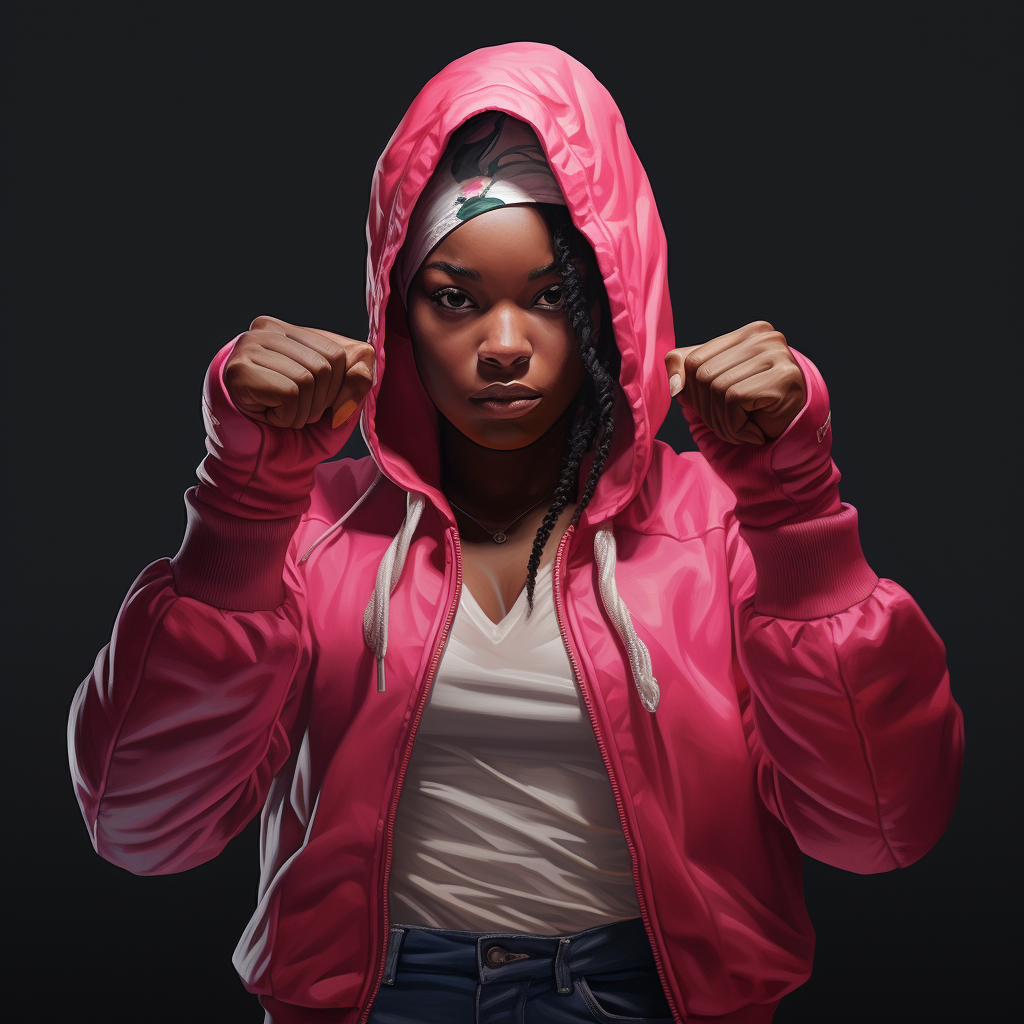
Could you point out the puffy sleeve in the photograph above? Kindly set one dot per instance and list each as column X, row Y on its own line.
column 189, row 712
column 856, row 739
column 199, row 698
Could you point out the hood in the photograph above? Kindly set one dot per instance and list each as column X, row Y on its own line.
column 611, row 203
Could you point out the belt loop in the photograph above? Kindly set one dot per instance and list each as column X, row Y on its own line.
column 563, row 979
column 391, row 960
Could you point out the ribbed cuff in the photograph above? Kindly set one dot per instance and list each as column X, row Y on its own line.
column 232, row 563
column 810, row 569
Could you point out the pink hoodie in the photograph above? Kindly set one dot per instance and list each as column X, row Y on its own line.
column 281, row 661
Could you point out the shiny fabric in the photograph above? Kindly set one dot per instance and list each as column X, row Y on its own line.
column 804, row 702
column 604, row 974
column 506, row 819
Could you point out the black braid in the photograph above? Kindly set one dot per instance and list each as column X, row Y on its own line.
column 597, row 395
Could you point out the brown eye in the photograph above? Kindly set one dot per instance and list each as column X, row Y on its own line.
column 451, row 298
column 551, row 296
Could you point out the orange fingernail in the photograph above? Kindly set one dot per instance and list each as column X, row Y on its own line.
column 343, row 413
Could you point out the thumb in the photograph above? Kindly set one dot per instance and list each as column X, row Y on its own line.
column 360, row 360
column 675, row 368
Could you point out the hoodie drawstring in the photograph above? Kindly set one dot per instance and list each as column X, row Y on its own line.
column 639, row 657
column 323, row 536
column 375, row 618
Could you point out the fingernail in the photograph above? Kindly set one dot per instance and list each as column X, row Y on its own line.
column 343, row 413
column 675, row 384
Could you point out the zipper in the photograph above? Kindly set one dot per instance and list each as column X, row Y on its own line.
column 641, row 900
column 390, row 829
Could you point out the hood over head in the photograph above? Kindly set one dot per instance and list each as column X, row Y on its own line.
column 492, row 160
column 610, row 200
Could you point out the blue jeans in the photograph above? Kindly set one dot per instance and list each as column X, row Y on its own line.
column 437, row 976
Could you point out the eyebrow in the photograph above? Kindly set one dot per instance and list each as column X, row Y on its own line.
column 540, row 272
column 457, row 271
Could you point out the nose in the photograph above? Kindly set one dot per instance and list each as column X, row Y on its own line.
column 504, row 339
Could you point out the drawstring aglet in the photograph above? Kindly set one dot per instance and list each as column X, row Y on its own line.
column 380, row 675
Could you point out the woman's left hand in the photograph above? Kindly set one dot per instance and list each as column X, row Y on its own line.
column 746, row 386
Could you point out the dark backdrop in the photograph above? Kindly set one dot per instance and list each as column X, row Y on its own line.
column 834, row 173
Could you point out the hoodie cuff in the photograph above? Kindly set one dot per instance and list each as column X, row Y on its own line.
column 809, row 569
column 232, row 563
column 792, row 477
column 254, row 470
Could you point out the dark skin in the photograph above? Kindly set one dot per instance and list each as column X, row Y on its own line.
column 486, row 307
column 504, row 323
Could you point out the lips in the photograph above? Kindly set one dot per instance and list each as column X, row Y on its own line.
column 504, row 393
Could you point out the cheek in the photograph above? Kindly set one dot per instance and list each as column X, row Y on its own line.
column 570, row 369
column 434, row 373
column 429, row 354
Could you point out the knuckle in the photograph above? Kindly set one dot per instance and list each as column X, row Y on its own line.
column 759, row 326
column 703, row 373
column 692, row 362
column 262, row 323
column 322, row 366
column 334, row 351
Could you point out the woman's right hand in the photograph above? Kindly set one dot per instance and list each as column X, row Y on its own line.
column 287, row 376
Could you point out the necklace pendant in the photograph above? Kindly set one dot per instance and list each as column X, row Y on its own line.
column 499, row 538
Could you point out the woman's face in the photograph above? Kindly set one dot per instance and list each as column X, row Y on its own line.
column 484, row 309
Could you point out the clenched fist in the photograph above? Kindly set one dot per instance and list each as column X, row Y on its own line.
column 287, row 376
column 746, row 386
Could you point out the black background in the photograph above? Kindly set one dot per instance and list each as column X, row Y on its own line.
column 834, row 170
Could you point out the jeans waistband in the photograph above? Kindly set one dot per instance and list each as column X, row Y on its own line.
column 515, row 956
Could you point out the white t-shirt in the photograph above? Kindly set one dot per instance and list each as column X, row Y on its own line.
column 507, row 821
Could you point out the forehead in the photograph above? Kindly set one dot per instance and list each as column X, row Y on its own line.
column 501, row 238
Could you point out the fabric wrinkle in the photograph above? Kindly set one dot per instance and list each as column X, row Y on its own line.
column 375, row 620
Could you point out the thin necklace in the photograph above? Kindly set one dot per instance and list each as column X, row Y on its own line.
column 502, row 535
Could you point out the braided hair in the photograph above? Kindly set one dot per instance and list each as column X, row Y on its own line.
column 594, row 422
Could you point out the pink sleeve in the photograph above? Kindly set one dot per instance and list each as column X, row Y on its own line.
column 193, row 707
column 857, row 741
column 856, row 738
column 188, row 714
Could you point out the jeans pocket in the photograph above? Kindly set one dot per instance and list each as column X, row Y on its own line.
column 613, row 1002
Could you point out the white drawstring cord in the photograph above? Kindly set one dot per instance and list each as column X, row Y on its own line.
column 375, row 618
column 639, row 657
column 376, row 480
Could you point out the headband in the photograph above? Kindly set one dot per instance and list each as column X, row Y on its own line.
column 492, row 160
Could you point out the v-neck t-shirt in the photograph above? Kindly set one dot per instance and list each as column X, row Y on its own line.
column 507, row 820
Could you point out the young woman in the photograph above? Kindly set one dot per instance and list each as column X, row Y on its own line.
column 539, row 713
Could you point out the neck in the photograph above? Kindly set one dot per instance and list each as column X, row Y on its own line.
column 495, row 484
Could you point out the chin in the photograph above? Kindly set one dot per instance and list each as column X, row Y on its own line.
column 502, row 436
column 504, row 440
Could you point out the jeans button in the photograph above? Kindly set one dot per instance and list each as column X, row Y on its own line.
column 496, row 956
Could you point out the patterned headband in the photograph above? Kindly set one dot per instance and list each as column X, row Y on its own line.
column 492, row 160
